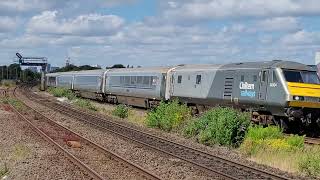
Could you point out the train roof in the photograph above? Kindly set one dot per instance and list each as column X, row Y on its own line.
column 97, row 71
column 269, row 64
column 142, row 69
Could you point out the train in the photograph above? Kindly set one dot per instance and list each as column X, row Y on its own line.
column 284, row 93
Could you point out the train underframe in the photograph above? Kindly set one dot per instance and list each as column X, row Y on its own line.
column 303, row 121
column 295, row 120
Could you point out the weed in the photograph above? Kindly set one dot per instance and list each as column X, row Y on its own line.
column 270, row 138
column 61, row 92
column 86, row 104
column 121, row 111
column 14, row 102
column 224, row 126
column 4, row 171
column 310, row 162
column 168, row 116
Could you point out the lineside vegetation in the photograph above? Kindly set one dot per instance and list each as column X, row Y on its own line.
column 227, row 127
column 271, row 147
column 80, row 102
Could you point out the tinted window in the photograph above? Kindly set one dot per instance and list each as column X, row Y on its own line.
column 310, row 77
column 255, row 78
column 139, row 79
column 274, row 76
column 198, row 79
column 264, row 76
column 146, row 80
column 242, row 77
column 179, row 79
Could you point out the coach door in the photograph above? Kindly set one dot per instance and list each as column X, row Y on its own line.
column 263, row 84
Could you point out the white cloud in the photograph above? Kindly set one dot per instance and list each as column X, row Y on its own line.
column 302, row 38
column 34, row 6
column 279, row 24
column 8, row 24
column 83, row 25
column 213, row 9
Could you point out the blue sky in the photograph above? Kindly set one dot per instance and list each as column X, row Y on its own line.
column 159, row 32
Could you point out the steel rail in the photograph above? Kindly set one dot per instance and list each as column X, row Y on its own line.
column 144, row 173
column 79, row 114
column 72, row 158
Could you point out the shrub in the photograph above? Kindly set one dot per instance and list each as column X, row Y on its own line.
column 262, row 133
column 14, row 102
column 224, row 126
column 86, row 104
column 270, row 139
column 8, row 83
column 310, row 162
column 121, row 111
column 168, row 116
column 61, row 92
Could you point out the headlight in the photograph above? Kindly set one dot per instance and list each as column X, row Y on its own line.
column 298, row 98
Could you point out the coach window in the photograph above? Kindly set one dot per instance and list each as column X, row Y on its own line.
column 127, row 80
column 264, row 76
column 255, row 78
column 146, row 81
column 179, row 79
column 242, row 77
column 198, row 79
column 274, row 76
column 139, row 80
column 133, row 80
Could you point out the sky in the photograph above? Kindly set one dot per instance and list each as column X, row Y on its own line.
column 159, row 32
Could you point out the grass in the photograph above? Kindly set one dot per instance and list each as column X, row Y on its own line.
column 4, row 171
column 14, row 102
column 121, row 111
column 84, row 103
column 20, row 152
column 271, row 147
column 168, row 116
column 223, row 126
column 8, row 83
column 63, row 92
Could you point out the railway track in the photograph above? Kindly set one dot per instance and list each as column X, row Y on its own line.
column 97, row 161
column 215, row 164
column 312, row 141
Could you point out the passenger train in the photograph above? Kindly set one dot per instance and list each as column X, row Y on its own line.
column 277, row 92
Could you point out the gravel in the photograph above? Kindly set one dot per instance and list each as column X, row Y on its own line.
column 120, row 146
column 28, row 156
column 158, row 163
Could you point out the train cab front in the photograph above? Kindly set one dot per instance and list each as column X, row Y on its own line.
column 304, row 96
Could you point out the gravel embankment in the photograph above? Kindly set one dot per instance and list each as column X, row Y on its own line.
column 158, row 163
column 28, row 156
column 220, row 151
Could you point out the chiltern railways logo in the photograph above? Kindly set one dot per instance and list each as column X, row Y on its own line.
column 247, row 90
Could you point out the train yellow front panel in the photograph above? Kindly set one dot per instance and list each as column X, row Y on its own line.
column 302, row 89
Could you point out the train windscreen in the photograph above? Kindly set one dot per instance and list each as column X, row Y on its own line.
column 309, row 77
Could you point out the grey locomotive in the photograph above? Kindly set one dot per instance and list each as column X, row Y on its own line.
column 275, row 92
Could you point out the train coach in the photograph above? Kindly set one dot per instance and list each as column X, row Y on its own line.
column 275, row 92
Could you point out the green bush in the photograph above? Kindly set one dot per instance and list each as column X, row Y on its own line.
column 262, row 133
column 168, row 116
column 121, row 111
column 86, row 104
column 14, row 102
column 310, row 162
column 61, row 92
column 224, row 126
column 270, row 139
column 8, row 83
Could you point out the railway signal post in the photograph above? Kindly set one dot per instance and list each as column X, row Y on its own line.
column 35, row 61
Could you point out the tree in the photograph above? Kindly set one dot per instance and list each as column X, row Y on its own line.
column 116, row 66
column 72, row 67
